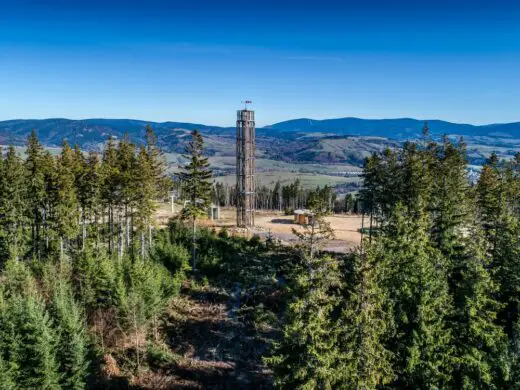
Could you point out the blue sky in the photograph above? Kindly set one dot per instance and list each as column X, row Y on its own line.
column 197, row 60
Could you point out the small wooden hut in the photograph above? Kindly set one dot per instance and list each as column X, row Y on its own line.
column 303, row 216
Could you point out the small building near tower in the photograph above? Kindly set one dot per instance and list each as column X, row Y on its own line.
column 303, row 217
column 213, row 212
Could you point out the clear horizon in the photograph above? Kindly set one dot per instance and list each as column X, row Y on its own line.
column 256, row 113
column 172, row 61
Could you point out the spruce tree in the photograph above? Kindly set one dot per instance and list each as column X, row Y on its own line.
column 39, row 365
column 417, row 281
column 490, row 199
column 157, row 161
column 195, row 176
column 90, row 195
column 160, row 182
column 13, row 205
column 450, row 200
column 308, row 356
column 10, row 344
column 480, row 344
column 127, row 187
column 35, row 189
column 67, row 206
column 110, row 190
column 50, row 225
column 4, row 250
column 496, row 198
column 7, row 382
column 71, row 333
column 82, row 187
column 366, row 324
column 27, row 331
column 372, row 184
column 145, row 191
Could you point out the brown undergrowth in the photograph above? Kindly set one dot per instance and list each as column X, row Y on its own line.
column 202, row 344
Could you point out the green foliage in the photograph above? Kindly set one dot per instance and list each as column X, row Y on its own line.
column 6, row 377
column 173, row 255
column 431, row 301
column 308, row 355
column 35, row 187
column 481, row 344
column 12, row 207
column 159, row 355
column 72, row 335
column 67, row 207
column 95, row 273
column 27, row 330
column 366, row 325
column 196, row 188
column 195, row 178
column 417, row 281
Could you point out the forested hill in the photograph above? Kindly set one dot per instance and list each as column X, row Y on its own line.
column 402, row 128
column 91, row 132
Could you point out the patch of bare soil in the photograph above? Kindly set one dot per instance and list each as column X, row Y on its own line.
column 346, row 227
column 215, row 349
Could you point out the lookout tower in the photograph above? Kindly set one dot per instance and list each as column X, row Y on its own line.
column 246, row 166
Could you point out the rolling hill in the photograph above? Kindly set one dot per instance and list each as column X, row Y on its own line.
column 403, row 128
column 329, row 141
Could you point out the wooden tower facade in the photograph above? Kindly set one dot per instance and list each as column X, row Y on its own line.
column 246, row 166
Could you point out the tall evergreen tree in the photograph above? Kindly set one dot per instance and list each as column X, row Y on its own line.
column 26, row 330
column 157, row 161
column 195, row 176
column 39, row 364
column 89, row 192
column 308, row 356
column 480, row 344
column 71, row 333
column 366, row 324
column 145, row 191
column 110, row 189
column 35, row 176
column 13, row 205
column 450, row 200
column 161, row 182
column 50, row 232
column 417, row 280
column 127, row 187
column 490, row 199
column 67, row 206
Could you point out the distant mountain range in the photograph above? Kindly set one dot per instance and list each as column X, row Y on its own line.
column 297, row 140
column 90, row 132
column 93, row 131
column 402, row 128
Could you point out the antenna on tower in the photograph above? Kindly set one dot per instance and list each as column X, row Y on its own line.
column 246, row 102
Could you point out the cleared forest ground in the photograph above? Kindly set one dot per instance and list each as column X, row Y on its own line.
column 346, row 227
column 209, row 346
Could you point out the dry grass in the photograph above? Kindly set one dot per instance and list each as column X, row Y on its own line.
column 346, row 227
column 210, row 344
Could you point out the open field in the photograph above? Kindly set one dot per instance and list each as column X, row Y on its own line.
column 307, row 180
column 346, row 227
